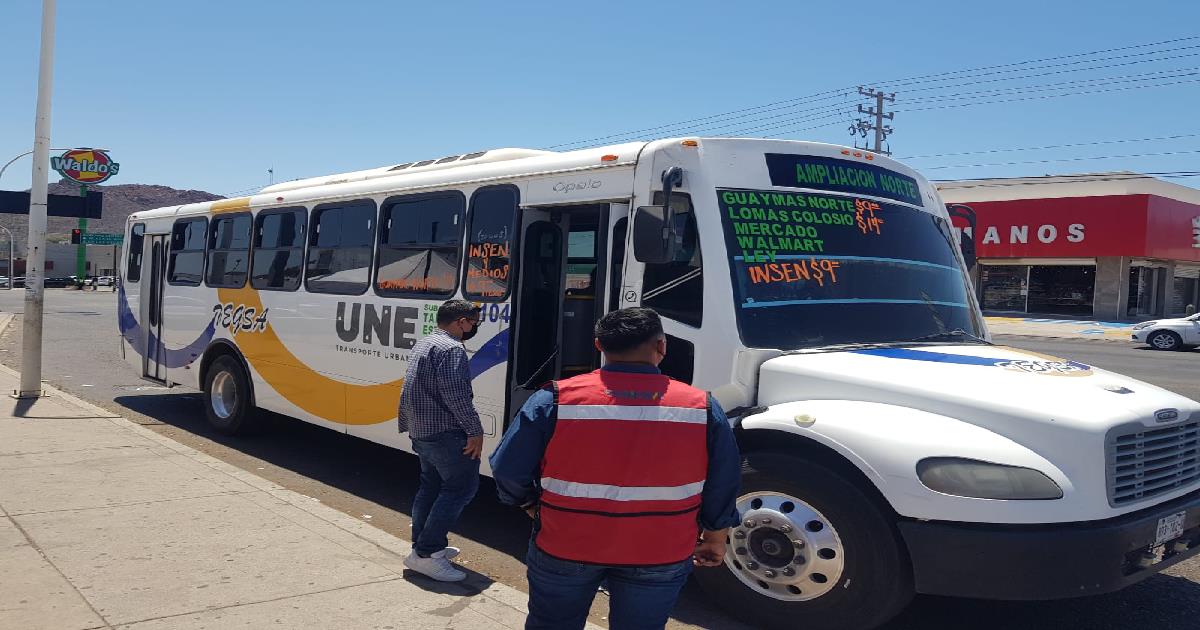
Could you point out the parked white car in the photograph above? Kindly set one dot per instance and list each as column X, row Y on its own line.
column 1169, row 334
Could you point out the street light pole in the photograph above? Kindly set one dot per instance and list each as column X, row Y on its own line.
column 35, row 292
column 10, row 162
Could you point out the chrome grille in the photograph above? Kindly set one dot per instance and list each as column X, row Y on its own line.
column 1144, row 462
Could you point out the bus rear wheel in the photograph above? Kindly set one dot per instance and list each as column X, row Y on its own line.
column 812, row 551
column 227, row 397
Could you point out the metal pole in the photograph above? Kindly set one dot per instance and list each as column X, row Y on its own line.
column 879, row 122
column 35, row 292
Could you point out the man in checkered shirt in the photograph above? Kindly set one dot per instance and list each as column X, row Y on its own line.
column 437, row 411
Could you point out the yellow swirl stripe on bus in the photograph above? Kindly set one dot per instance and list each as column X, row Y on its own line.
column 320, row 395
column 315, row 393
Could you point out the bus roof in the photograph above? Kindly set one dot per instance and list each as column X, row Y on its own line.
column 482, row 166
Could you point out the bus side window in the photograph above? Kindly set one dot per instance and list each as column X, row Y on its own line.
column 228, row 251
column 419, row 239
column 133, row 265
column 676, row 289
column 488, row 273
column 339, row 248
column 186, row 266
column 278, row 249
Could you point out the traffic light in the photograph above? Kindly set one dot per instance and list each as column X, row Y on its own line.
column 76, row 236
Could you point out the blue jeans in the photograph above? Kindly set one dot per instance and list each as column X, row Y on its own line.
column 449, row 480
column 561, row 592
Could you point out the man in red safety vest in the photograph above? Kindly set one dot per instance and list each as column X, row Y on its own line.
column 631, row 478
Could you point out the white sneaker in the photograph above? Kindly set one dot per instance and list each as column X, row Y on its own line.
column 439, row 569
column 448, row 553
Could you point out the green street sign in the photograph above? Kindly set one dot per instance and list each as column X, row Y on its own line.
column 96, row 238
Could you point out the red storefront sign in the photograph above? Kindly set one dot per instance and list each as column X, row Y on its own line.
column 1143, row 226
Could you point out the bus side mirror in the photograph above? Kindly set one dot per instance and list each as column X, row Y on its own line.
column 653, row 235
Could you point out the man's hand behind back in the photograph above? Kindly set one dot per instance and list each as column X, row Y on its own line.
column 474, row 447
column 710, row 551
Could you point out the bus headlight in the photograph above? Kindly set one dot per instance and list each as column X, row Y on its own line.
column 984, row 480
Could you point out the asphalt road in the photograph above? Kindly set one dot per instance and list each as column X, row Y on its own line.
column 377, row 484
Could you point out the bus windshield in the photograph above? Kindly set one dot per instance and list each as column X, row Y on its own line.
column 815, row 269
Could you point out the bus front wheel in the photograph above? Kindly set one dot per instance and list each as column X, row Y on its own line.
column 227, row 397
column 812, row 551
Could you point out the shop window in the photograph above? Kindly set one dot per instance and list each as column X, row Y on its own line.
column 1004, row 287
column 229, row 251
column 186, row 263
column 278, row 249
column 1143, row 290
column 676, row 289
column 339, row 252
column 418, row 245
column 1065, row 290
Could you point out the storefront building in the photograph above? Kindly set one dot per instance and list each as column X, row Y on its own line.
column 1112, row 246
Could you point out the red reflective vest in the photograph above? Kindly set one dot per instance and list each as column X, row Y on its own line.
column 623, row 472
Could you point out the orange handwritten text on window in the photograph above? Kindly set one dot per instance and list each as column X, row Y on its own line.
column 820, row 270
column 864, row 216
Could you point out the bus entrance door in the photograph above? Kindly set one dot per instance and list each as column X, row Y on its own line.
column 537, row 305
column 153, row 365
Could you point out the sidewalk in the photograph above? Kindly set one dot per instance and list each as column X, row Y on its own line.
column 1060, row 328
column 106, row 524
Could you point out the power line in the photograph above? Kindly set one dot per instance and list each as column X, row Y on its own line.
column 1045, row 87
column 1048, row 96
column 1052, row 146
column 1053, row 161
column 1000, row 182
column 1056, row 58
column 751, row 112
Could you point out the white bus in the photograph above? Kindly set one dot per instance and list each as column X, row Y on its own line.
column 817, row 291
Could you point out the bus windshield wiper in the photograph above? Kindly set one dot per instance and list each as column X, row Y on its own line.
column 945, row 335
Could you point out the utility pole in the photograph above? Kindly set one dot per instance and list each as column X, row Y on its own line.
column 35, row 291
column 862, row 127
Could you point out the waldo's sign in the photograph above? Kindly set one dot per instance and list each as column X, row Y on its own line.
column 86, row 166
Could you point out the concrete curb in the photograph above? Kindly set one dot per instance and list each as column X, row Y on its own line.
column 375, row 542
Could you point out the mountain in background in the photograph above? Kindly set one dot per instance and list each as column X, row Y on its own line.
column 120, row 201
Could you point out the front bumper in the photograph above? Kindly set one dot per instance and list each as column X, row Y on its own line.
column 1140, row 335
column 1038, row 562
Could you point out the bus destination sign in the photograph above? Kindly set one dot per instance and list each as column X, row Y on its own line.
column 823, row 173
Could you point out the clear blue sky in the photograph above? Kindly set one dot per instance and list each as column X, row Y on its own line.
column 209, row 95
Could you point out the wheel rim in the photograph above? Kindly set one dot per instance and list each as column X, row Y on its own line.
column 223, row 396
column 1163, row 341
column 784, row 548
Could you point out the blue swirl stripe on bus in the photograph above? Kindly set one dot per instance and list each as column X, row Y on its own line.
column 133, row 333
column 958, row 359
column 490, row 354
column 849, row 301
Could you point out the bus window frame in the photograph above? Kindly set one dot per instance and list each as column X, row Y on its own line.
column 135, row 251
column 379, row 245
column 170, row 252
column 513, row 243
column 310, row 235
column 209, row 248
column 305, row 213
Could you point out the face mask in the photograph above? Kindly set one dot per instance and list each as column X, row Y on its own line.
column 471, row 333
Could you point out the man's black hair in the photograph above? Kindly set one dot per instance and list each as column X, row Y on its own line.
column 452, row 310
column 627, row 329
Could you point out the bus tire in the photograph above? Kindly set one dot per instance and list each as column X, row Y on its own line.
column 227, row 397
column 809, row 522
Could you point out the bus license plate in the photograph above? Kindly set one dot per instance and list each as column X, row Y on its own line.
column 1169, row 528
